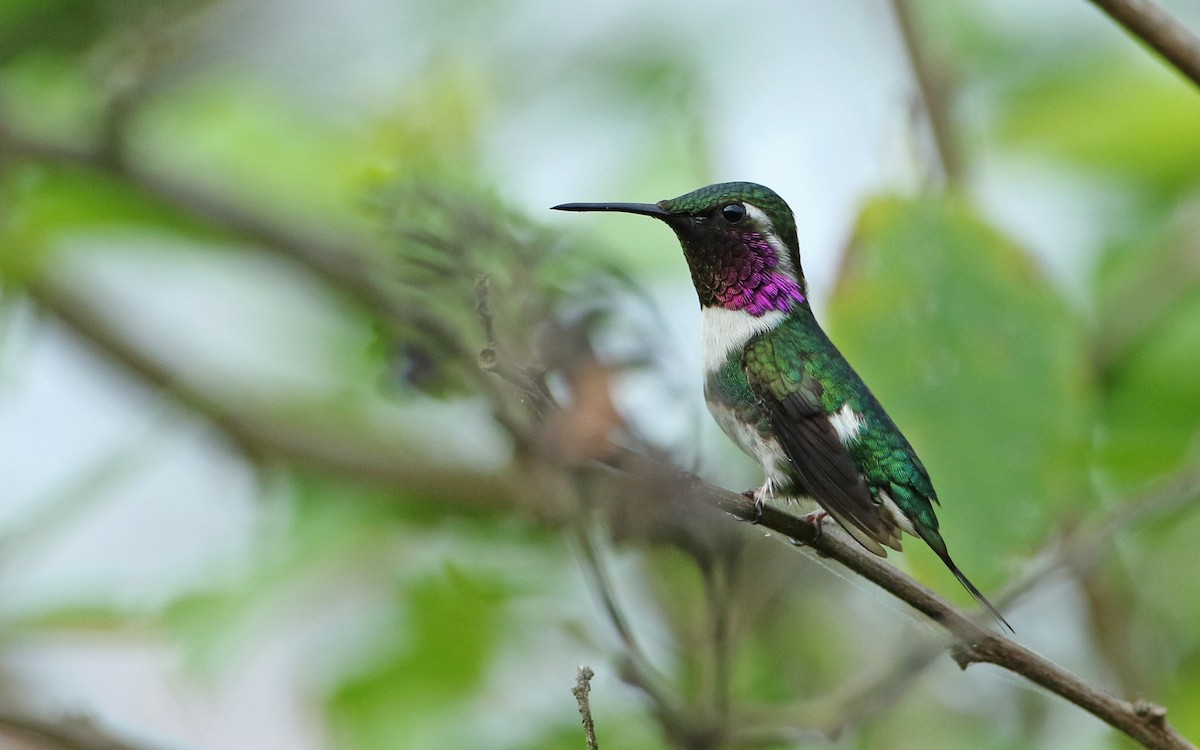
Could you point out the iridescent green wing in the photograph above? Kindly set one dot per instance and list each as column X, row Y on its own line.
column 792, row 399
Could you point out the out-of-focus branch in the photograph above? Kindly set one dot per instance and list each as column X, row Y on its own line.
column 342, row 265
column 78, row 732
column 1159, row 30
column 934, row 92
column 261, row 438
column 345, row 267
column 635, row 667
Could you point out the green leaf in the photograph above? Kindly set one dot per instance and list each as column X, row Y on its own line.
column 1133, row 122
column 250, row 144
column 43, row 205
column 49, row 24
column 1148, row 305
column 53, row 97
column 411, row 698
column 1184, row 699
column 980, row 362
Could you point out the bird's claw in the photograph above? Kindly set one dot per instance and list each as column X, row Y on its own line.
column 753, row 494
column 815, row 519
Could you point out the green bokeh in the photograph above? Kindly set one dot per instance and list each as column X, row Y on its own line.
column 980, row 362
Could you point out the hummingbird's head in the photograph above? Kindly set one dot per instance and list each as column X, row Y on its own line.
column 740, row 242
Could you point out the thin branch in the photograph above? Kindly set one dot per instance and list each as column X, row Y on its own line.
column 1077, row 552
column 636, row 668
column 583, row 686
column 343, row 265
column 719, row 604
column 1159, row 30
column 257, row 436
column 934, row 93
column 72, row 732
column 1143, row 721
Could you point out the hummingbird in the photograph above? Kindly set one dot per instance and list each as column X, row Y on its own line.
column 777, row 385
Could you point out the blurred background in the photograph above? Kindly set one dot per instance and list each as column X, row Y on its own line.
column 255, row 492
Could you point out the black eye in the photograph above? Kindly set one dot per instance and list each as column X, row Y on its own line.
column 733, row 212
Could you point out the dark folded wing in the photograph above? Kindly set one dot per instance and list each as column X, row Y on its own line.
column 821, row 461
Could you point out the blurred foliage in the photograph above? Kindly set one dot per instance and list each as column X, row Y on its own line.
column 439, row 538
column 967, row 328
column 44, row 203
column 1148, row 308
column 418, row 692
column 1134, row 123
column 42, row 27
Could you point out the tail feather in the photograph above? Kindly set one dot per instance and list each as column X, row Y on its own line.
column 938, row 545
column 869, row 542
column 874, row 545
column 979, row 597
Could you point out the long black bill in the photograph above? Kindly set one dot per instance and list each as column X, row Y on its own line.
column 645, row 209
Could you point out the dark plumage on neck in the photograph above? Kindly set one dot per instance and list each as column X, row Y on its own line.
column 740, row 268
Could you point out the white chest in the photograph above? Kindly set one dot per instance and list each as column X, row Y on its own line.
column 723, row 330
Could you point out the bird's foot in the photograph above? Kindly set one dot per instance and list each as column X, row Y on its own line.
column 815, row 519
column 757, row 496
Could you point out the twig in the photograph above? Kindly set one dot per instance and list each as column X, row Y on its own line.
column 1159, row 30
column 931, row 85
column 583, row 686
column 636, row 668
column 483, row 309
column 974, row 643
column 71, row 732
column 719, row 603
column 531, row 386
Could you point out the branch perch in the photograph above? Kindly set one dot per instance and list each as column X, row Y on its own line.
column 1077, row 552
column 1159, row 30
column 1143, row 721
